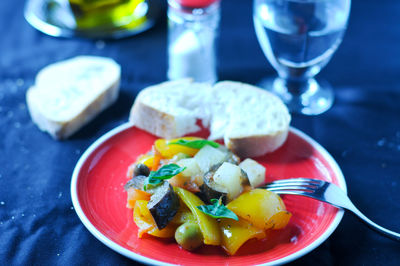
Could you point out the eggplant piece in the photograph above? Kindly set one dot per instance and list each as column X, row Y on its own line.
column 209, row 189
column 136, row 182
column 208, row 192
column 163, row 204
column 230, row 156
column 244, row 178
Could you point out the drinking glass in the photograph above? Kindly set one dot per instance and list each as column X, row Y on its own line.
column 298, row 38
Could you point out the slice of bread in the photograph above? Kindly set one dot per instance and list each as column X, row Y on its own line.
column 251, row 121
column 258, row 121
column 171, row 109
column 69, row 94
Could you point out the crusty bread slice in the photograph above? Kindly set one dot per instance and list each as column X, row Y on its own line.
column 258, row 121
column 251, row 121
column 69, row 94
column 171, row 109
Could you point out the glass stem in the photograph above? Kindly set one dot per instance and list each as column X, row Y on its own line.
column 297, row 80
column 297, row 86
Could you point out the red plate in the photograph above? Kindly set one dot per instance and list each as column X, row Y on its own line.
column 99, row 200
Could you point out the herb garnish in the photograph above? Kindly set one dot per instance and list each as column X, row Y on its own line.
column 165, row 172
column 195, row 144
column 218, row 210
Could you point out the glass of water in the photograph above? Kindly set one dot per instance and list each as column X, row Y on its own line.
column 299, row 37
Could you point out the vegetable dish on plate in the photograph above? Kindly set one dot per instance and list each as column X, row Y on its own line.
column 200, row 193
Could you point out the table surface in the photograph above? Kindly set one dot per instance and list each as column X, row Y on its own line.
column 38, row 224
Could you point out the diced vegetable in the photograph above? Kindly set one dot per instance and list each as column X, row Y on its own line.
column 244, row 178
column 255, row 172
column 163, row 205
column 229, row 176
column 169, row 151
column 208, row 192
column 136, row 182
column 236, row 233
column 190, row 177
column 209, row 156
column 192, row 168
column 230, row 156
column 259, row 207
column 134, row 195
column 210, row 189
column 146, row 224
column 208, row 226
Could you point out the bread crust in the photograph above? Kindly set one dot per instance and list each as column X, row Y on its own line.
column 254, row 146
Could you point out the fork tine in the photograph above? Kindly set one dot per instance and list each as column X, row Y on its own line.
column 291, row 187
column 310, row 184
column 297, row 180
column 295, row 192
column 296, row 184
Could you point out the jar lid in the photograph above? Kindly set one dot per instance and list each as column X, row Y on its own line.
column 195, row 3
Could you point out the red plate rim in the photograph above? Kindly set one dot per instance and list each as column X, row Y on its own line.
column 132, row 255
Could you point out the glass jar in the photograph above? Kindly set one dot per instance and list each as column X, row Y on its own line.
column 192, row 34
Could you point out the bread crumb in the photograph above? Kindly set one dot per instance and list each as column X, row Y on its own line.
column 100, row 44
column 20, row 82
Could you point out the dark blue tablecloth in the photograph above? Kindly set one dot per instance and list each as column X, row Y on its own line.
column 38, row 224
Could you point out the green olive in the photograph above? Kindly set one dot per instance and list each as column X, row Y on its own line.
column 141, row 169
column 189, row 236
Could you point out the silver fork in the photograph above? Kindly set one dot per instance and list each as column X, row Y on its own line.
column 327, row 192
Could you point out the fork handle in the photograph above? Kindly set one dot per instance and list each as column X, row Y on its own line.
column 386, row 232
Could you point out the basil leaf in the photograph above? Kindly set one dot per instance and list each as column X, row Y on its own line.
column 218, row 210
column 165, row 172
column 195, row 144
column 150, row 183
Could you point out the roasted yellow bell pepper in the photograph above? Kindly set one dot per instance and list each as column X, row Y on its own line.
column 280, row 219
column 183, row 215
column 236, row 233
column 263, row 208
column 208, row 226
column 144, row 220
column 170, row 150
column 145, row 159
column 134, row 195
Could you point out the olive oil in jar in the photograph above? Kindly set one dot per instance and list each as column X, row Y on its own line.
column 108, row 14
